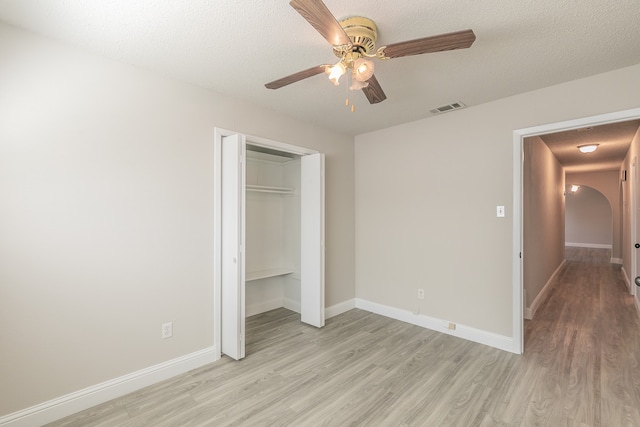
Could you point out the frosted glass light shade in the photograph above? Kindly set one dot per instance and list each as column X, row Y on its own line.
column 336, row 72
column 362, row 69
column 590, row 148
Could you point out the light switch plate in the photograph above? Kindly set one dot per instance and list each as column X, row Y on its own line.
column 500, row 211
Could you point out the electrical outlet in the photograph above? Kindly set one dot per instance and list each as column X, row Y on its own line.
column 452, row 326
column 420, row 293
column 167, row 330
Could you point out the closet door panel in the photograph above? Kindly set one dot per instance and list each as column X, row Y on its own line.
column 312, row 239
column 233, row 246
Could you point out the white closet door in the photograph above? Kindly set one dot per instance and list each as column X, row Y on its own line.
column 312, row 239
column 233, row 244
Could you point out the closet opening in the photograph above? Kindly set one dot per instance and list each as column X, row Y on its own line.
column 273, row 273
column 269, row 234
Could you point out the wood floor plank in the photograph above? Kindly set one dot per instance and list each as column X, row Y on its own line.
column 581, row 368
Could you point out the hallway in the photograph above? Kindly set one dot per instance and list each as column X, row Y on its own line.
column 585, row 344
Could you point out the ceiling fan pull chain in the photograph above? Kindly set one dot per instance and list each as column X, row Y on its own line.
column 346, row 91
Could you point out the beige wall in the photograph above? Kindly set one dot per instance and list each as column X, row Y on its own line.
column 543, row 208
column 106, row 216
column 607, row 183
column 627, row 236
column 426, row 196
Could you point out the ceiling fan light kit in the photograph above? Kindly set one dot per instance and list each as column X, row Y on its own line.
column 354, row 41
column 363, row 69
column 336, row 72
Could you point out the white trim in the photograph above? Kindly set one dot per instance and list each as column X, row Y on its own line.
column 530, row 311
column 637, row 304
column 290, row 304
column 80, row 400
column 633, row 194
column 518, row 139
column 588, row 245
column 334, row 310
column 268, row 143
column 217, row 241
column 440, row 325
column 341, row 307
column 616, row 261
column 263, row 306
column 626, row 278
column 517, row 301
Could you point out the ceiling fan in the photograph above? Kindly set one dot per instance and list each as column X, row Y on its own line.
column 354, row 43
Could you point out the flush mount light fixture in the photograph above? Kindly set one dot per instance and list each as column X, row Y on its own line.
column 588, row 148
column 574, row 188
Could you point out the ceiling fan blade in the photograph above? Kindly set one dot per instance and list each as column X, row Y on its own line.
column 374, row 92
column 319, row 16
column 450, row 41
column 296, row 77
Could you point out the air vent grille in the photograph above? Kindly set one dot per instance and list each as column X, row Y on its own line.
column 448, row 107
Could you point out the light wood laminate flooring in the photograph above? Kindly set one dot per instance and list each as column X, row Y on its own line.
column 580, row 368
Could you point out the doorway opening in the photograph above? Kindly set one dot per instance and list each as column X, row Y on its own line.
column 518, row 202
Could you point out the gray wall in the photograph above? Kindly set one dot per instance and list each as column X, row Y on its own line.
column 543, row 216
column 106, row 216
column 588, row 220
column 608, row 183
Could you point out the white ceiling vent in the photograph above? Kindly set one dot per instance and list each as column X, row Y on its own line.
column 447, row 108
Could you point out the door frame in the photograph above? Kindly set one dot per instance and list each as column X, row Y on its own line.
column 219, row 134
column 633, row 192
column 518, row 162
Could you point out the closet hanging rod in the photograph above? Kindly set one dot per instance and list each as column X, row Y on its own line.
column 266, row 189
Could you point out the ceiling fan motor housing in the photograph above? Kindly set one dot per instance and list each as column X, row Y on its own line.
column 363, row 34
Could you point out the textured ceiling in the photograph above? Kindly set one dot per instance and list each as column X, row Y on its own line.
column 613, row 143
column 234, row 47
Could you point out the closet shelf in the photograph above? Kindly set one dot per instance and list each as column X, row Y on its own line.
column 263, row 274
column 265, row 189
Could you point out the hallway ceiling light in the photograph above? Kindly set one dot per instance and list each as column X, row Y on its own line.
column 589, row 148
column 574, row 188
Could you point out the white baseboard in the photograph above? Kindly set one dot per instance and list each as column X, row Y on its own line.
column 293, row 305
column 341, row 307
column 626, row 278
column 616, row 260
column 588, row 245
column 440, row 325
column 80, row 400
column 263, row 306
column 530, row 311
column 290, row 304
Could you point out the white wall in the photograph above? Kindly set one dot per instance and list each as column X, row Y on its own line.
column 106, row 216
column 587, row 218
column 426, row 196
